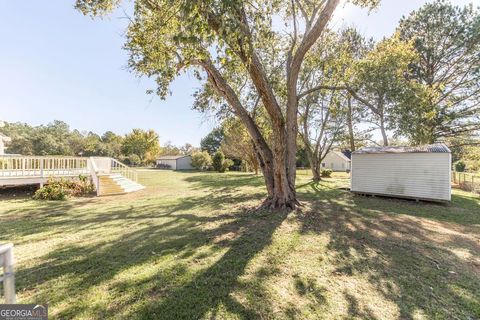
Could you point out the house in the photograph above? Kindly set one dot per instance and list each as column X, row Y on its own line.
column 336, row 161
column 175, row 162
column 3, row 140
column 421, row 172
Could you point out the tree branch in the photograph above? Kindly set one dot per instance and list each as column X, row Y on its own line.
column 227, row 92
column 318, row 88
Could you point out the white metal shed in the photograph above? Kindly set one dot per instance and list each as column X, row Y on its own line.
column 422, row 172
column 176, row 162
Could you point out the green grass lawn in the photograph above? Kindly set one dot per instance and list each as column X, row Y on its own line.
column 190, row 246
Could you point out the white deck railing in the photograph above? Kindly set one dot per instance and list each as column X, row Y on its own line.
column 33, row 166
column 39, row 169
column 124, row 170
column 109, row 165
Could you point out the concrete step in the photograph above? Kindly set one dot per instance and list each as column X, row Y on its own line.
column 118, row 184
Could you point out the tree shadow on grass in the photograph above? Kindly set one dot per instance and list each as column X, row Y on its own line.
column 197, row 249
column 157, row 232
column 58, row 217
column 320, row 191
column 409, row 262
column 25, row 217
column 212, row 290
column 464, row 209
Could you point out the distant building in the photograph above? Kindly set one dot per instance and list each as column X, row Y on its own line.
column 175, row 162
column 3, row 140
column 336, row 161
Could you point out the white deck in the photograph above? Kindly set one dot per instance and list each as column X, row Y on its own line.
column 20, row 170
column 26, row 170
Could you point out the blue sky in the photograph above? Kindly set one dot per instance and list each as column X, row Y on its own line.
column 57, row 64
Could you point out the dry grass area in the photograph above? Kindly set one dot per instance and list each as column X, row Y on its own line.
column 190, row 247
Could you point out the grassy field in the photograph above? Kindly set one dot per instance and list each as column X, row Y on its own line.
column 190, row 246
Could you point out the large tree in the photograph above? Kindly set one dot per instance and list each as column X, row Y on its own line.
column 111, row 145
column 447, row 41
column 212, row 141
column 378, row 81
column 169, row 36
column 51, row 139
column 143, row 143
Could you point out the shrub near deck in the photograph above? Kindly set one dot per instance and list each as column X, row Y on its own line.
column 188, row 247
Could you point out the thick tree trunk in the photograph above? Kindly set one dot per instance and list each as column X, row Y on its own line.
column 280, row 194
column 284, row 195
column 266, row 171
column 266, row 157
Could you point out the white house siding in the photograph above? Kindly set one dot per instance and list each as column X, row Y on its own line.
column 3, row 139
column 335, row 162
column 416, row 175
column 184, row 163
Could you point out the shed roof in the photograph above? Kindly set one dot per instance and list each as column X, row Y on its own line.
column 429, row 148
column 172, row 157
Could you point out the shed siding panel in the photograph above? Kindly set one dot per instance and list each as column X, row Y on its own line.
column 184, row 163
column 418, row 175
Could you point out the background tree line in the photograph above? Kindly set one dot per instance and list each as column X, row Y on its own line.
column 138, row 147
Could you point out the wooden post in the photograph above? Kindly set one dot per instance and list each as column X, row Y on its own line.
column 8, row 273
column 41, row 167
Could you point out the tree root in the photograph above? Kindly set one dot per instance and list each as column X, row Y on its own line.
column 270, row 204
